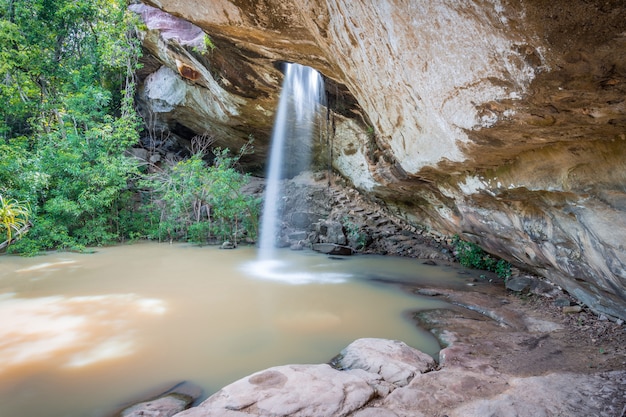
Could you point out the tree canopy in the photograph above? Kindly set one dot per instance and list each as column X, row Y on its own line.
column 66, row 71
column 66, row 124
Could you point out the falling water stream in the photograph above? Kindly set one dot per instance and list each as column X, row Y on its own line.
column 294, row 124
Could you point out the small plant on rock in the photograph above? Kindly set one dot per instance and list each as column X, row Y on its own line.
column 355, row 236
column 470, row 255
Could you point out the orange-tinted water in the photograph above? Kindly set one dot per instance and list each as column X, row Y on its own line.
column 80, row 334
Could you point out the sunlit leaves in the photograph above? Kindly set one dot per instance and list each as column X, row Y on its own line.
column 13, row 217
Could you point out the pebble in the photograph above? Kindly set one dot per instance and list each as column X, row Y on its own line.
column 572, row 309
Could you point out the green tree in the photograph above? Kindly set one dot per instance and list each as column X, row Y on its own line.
column 67, row 68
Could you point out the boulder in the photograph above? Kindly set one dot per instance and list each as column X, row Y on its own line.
column 304, row 220
column 519, row 284
column 166, row 404
column 332, row 249
column 330, row 231
column 291, row 390
column 395, row 361
column 228, row 245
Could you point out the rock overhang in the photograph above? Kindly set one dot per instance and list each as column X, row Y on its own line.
column 462, row 114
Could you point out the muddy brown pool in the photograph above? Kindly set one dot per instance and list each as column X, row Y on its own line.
column 82, row 333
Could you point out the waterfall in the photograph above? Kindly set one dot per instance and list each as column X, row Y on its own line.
column 290, row 151
column 290, row 145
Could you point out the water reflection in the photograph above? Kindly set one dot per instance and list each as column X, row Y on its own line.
column 74, row 331
column 82, row 333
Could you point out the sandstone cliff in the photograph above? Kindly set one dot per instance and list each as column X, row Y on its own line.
column 501, row 121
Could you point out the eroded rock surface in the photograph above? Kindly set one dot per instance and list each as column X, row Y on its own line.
column 393, row 360
column 501, row 121
column 291, row 390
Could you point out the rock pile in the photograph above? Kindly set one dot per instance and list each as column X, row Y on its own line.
column 318, row 209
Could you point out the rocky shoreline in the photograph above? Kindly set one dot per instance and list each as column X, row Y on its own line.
column 504, row 353
column 526, row 348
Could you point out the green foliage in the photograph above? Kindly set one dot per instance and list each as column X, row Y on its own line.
column 470, row 255
column 201, row 203
column 13, row 217
column 356, row 237
column 67, row 68
column 208, row 43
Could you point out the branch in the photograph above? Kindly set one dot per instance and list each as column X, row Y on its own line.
column 21, row 231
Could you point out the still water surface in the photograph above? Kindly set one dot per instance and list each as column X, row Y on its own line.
column 80, row 334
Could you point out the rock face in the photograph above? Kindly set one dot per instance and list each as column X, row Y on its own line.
column 387, row 378
column 501, row 121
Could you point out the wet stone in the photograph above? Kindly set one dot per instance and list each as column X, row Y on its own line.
column 562, row 302
column 518, row 284
column 228, row 245
column 332, row 249
column 299, row 235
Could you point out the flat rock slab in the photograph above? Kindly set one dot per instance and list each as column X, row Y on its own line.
column 165, row 404
column 161, row 407
column 291, row 390
column 554, row 395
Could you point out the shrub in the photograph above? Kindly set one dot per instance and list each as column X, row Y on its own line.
column 470, row 255
column 13, row 217
column 199, row 203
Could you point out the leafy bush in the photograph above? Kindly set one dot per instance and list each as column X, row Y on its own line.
column 356, row 237
column 201, row 203
column 470, row 255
